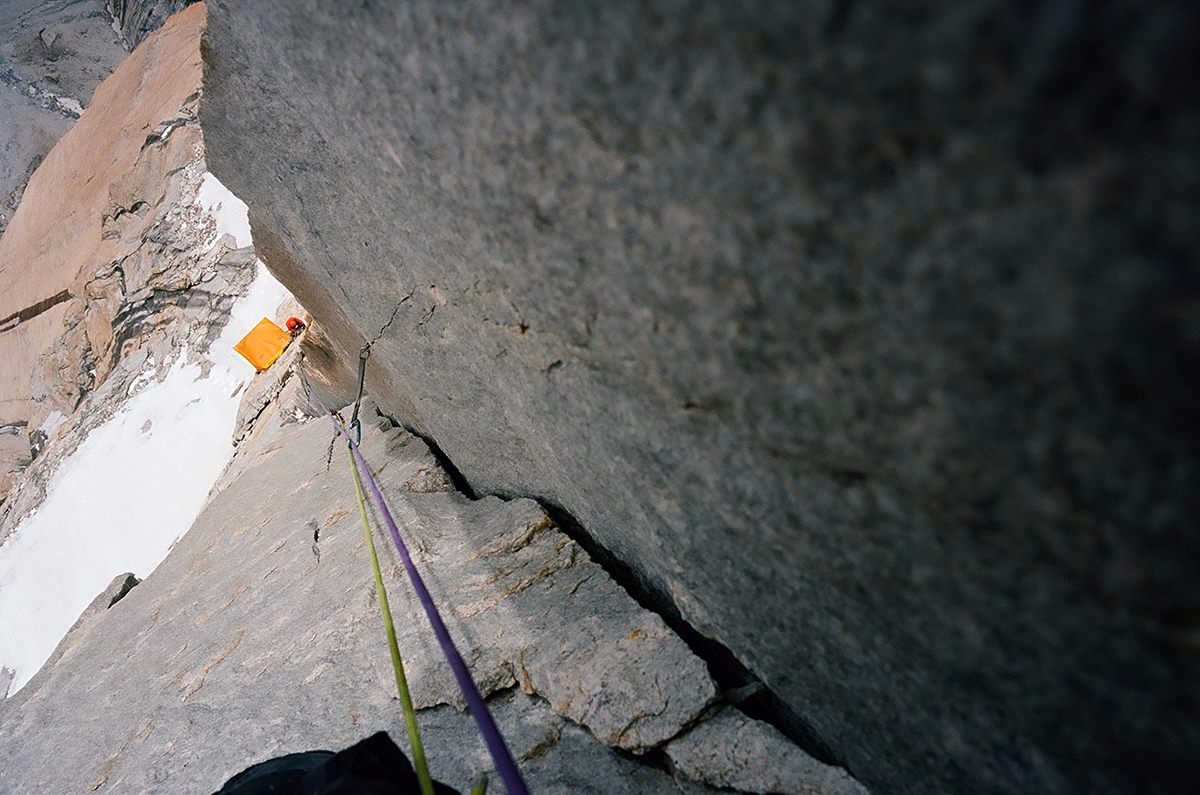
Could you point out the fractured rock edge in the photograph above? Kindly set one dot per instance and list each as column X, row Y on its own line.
column 227, row 676
column 734, row 751
column 799, row 773
column 123, row 329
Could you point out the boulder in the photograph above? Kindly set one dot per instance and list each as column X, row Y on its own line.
column 733, row 751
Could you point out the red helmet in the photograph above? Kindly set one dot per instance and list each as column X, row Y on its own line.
column 295, row 324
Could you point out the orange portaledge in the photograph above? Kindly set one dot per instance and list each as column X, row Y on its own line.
column 263, row 345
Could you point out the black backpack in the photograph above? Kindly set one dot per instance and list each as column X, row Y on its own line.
column 374, row 766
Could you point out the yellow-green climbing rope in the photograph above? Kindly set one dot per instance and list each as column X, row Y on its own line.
column 410, row 717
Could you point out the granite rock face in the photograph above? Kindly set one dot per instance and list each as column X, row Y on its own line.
column 52, row 57
column 110, row 266
column 863, row 333
column 260, row 635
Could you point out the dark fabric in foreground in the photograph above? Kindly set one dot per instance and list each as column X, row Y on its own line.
column 374, row 766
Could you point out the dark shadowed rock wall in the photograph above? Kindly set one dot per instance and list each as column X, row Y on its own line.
column 865, row 334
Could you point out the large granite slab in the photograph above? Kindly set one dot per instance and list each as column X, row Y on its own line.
column 260, row 635
column 862, row 334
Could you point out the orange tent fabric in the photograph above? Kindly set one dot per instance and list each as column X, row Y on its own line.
column 263, row 345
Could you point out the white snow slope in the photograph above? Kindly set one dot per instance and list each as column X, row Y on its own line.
column 136, row 483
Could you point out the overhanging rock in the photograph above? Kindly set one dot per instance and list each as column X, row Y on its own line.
column 859, row 332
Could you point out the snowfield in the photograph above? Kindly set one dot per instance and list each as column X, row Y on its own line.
column 135, row 485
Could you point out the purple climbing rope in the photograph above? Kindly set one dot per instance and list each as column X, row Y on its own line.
column 505, row 766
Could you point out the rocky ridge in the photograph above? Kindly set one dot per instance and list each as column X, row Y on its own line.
column 107, row 251
column 211, row 675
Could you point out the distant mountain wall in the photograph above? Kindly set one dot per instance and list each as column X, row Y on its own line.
column 86, row 267
column 139, row 18
column 52, row 56
column 863, row 336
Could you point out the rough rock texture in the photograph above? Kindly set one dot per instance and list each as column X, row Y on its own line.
column 865, row 334
column 108, row 249
column 260, row 635
column 52, row 56
column 733, row 751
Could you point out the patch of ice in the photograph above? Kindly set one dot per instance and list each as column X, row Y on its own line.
column 52, row 422
column 229, row 211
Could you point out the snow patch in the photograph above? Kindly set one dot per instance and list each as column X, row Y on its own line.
column 135, row 484
column 147, row 375
column 70, row 105
column 52, row 422
column 229, row 211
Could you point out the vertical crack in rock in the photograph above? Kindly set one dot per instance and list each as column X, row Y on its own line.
column 461, row 484
column 395, row 311
column 596, row 657
column 738, row 685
